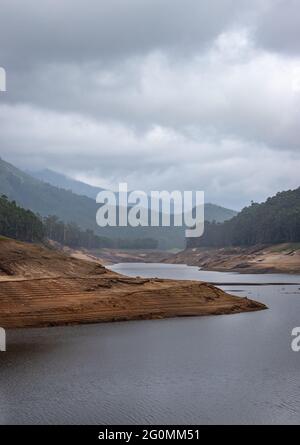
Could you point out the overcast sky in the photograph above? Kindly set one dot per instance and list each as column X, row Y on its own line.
column 162, row 94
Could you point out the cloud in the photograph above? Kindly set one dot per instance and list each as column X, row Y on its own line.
column 58, row 31
column 160, row 158
column 177, row 95
column 230, row 89
column 278, row 28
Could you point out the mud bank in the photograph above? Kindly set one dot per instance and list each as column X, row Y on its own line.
column 44, row 287
column 282, row 258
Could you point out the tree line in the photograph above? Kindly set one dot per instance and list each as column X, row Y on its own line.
column 24, row 225
column 277, row 220
column 70, row 234
column 18, row 223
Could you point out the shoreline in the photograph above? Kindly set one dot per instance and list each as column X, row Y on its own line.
column 280, row 258
column 45, row 287
column 260, row 259
column 216, row 283
column 71, row 301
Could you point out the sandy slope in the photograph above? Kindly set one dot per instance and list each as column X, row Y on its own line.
column 44, row 287
column 279, row 258
column 113, row 256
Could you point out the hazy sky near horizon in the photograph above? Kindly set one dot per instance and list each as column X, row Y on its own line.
column 162, row 94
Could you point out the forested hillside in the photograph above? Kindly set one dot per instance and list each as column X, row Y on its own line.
column 275, row 221
column 24, row 225
column 18, row 223
column 46, row 199
column 69, row 234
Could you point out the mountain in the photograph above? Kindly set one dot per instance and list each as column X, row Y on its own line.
column 46, row 199
column 277, row 220
column 24, row 225
column 213, row 212
column 217, row 213
column 65, row 182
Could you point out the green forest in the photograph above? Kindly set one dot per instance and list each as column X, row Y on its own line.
column 71, row 235
column 18, row 223
column 24, row 225
column 64, row 201
column 277, row 220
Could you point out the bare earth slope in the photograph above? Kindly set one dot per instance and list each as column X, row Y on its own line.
column 44, row 287
column 281, row 258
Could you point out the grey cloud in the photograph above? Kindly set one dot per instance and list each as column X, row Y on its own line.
column 59, row 31
column 232, row 171
column 163, row 94
column 248, row 94
column 278, row 28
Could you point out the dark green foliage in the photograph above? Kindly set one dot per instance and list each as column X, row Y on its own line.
column 18, row 223
column 71, row 235
column 275, row 221
column 24, row 225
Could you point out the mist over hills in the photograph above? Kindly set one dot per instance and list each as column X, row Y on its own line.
column 65, row 182
column 55, row 195
column 213, row 212
column 45, row 199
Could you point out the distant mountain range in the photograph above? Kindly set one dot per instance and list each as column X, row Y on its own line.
column 51, row 193
column 213, row 212
column 65, row 182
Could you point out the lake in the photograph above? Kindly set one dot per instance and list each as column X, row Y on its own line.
column 198, row 370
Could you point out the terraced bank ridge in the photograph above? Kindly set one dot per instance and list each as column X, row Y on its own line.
column 280, row 258
column 44, row 287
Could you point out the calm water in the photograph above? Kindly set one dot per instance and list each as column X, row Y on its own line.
column 223, row 369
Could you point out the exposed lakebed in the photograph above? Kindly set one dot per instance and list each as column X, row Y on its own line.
column 220, row 369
